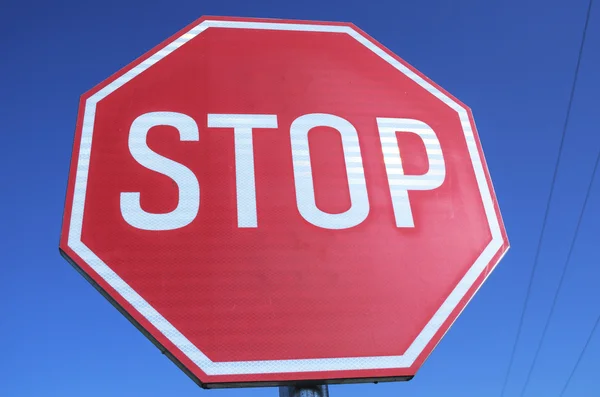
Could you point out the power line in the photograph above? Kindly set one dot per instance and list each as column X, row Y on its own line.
column 549, row 200
column 587, row 343
column 562, row 277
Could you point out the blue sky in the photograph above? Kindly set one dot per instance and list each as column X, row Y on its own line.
column 511, row 61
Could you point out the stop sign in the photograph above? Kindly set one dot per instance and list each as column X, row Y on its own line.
column 274, row 201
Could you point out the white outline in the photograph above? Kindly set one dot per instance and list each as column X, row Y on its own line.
column 277, row 366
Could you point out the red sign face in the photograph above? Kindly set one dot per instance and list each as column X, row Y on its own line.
column 275, row 201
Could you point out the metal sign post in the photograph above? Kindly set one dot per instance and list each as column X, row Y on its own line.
column 304, row 391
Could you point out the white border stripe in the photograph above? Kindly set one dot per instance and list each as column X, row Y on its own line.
column 277, row 366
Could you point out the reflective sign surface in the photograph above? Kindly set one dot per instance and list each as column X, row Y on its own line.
column 273, row 201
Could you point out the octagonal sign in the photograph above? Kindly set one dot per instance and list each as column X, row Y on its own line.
column 274, row 201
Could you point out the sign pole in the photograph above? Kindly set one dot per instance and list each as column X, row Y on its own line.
column 304, row 391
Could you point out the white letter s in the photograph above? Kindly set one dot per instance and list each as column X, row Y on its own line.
column 189, row 189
